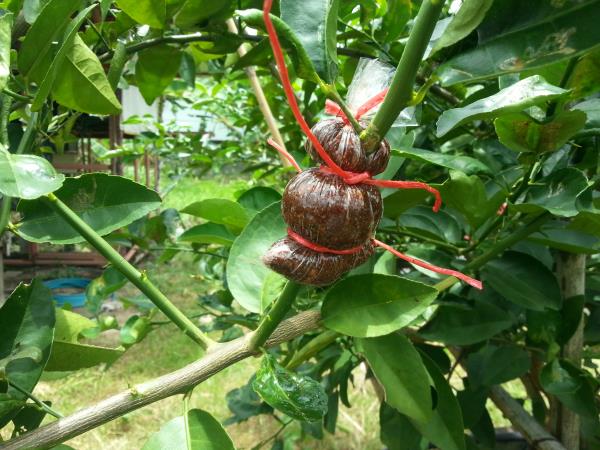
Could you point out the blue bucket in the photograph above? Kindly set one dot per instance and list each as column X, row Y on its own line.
column 76, row 300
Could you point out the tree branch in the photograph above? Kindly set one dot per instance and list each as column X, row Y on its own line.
column 177, row 382
column 531, row 430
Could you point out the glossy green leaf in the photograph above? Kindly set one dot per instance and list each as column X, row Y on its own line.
column 68, row 356
column 571, row 386
column 400, row 370
column 300, row 397
column 481, row 204
column 517, row 35
column 194, row 11
column 523, row 280
column 6, row 21
column 557, row 235
column 246, row 274
column 56, row 65
column 445, row 427
column 82, row 84
column 155, row 69
column 295, row 50
column 26, row 329
column 105, row 202
column 521, row 133
column 591, row 108
column 134, row 330
column 27, row 176
column 38, row 47
column 515, row 98
column 402, row 200
column 258, row 198
column 147, row 12
column 468, row 17
column 70, row 325
column 244, row 403
column 496, row 365
column 466, row 324
column 585, row 79
column 198, row 430
column 216, row 210
column 438, row 225
column 462, row 163
column 373, row 305
column 557, row 193
column 314, row 22
column 208, row 233
column 396, row 431
column 394, row 20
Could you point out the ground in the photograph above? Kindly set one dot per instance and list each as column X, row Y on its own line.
column 167, row 349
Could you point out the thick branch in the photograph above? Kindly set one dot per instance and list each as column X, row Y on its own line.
column 177, row 382
column 531, row 430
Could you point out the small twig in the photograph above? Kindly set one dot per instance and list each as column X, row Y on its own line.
column 36, row 400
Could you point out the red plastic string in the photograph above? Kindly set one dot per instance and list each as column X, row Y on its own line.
column 334, row 109
column 319, row 248
column 417, row 262
column 285, row 154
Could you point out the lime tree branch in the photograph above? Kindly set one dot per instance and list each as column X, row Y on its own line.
column 401, row 89
column 139, row 279
column 177, row 382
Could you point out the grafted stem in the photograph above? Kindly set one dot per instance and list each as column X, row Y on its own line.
column 137, row 278
column 401, row 89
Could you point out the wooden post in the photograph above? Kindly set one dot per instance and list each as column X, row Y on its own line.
column 570, row 271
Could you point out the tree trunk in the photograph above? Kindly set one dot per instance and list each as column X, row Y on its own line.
column 570, row 270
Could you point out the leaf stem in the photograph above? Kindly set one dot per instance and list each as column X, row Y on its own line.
column 331, row 92
column 37, row 401
column 401, row 89
column 317, row 344
column 275, row 315
column 139, row 279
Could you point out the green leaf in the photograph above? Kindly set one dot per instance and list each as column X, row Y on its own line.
column 521, row 133
column 591, row 108
column 208, row 233
column 557, row 193
column 523, row 280
column 315, row 24
column 37, row 49
column 104, row 202
column 258, row 198
column 394, row 20
column 461, row 163
column 295, row 50
column 517, row 36
column 571, row 386
column 134, row 330
column 515, row 98
column 56, row 65
column 445, row 428
column 29, row 418
column 397, row 432
column 194, row 11
column 155, row 69
column 225, row 212
column 462, row 324
column 27, row 176
column 400, row 370
column 69, row 356
column 469, row 196
column 198, row 430
column 82, row 84
column 147, row 12
column 585, row 79
column 468, row 17
column 556, row 235
column 300, row 397
column 6, row 22
column 423, row 221
column 26, row 329
column 373, row 305
column 246, row 274
column 402, row 200
column 496, row 365
column 69, row 325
